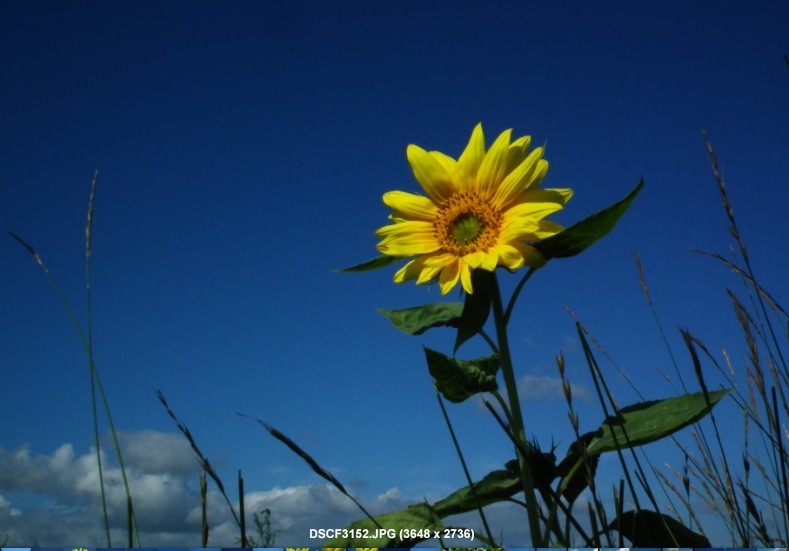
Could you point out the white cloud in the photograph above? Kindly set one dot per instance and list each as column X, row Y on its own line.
column 66, row 487
column 10, row 511
column 162, row 475
column 158, row 452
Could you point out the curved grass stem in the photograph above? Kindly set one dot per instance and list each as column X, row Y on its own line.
column 87, row 344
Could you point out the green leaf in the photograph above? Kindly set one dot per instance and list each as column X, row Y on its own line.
column 650, row 529
column 575, row 478
column 458, row 380
column 583, row 234
column 416, row 517
column 649, row 421
column 379, row 262
column 642, row 423
column 496, row 486
column 476, row 309
column 419, row 319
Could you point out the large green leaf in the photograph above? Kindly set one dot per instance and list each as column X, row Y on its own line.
column 420, row 518
column 649, row 421
column 637, row 425
column 496, row 486
column 458, row 380
column 378, row 262
column 419, row 319
column 581, row 235
column 650, row 529
column 476, row 309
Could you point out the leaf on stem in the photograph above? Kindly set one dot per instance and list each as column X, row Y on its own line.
column 650, row 529
column 575, row 480
column 378, row 262
column 583, row 234
column 646, row 422
column 419, row 518
column 418, row 319
column 636, row 425
column 496, row 486
column 476, row 308
column 458, row 380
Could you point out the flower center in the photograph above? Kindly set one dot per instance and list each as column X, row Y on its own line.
column 466, row 228
column 467, row 223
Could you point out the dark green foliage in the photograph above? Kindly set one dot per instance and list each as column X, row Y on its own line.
column 418, row 319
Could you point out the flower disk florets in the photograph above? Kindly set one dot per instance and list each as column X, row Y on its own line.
column 466, row 223
column 481, row 211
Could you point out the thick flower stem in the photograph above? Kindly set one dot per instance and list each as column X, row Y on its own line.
column 518, row 430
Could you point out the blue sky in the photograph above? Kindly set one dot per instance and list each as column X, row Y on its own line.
column 243, row 149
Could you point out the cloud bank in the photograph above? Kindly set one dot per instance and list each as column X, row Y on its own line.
column 52, row 500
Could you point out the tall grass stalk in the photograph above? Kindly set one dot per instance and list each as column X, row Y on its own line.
column 203, row 510
column 735, row 498
column 242, row 518
column 205, row 464
column 95, row 380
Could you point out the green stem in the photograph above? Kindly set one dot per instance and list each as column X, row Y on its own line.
column 503, row 405
column 518, row 430
column 515, row 294
column 465, row 467
column 89, row 350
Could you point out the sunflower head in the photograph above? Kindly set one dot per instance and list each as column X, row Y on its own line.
column 480, row 211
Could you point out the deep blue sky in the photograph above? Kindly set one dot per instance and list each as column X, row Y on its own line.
column 243, row 149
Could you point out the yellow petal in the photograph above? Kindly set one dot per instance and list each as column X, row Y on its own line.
column 405, row 227
column 407, row 243
column 410, row 248
column 431, row 173
column 475, row 259
column 510, row 256
column 410, row 271
column 465, row 279
column 409, row 205
column 471, row 158
column 449, row 277
column 533, row 209
column 439, row 260
column 517, row 152
column 446, row 161
column 517, row 180
column 536, row 178
column 557, row 195
column 547, row 229
column 518, row 229
column 491, row 261
column 494, row 165
column 427, row 275
column 531, row 256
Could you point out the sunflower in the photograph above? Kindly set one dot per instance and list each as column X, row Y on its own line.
column 481, row 211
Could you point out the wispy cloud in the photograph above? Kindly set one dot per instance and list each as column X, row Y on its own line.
column 570, row 343
column 547, row 387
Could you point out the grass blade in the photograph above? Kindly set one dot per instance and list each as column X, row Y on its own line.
column 320, row 471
